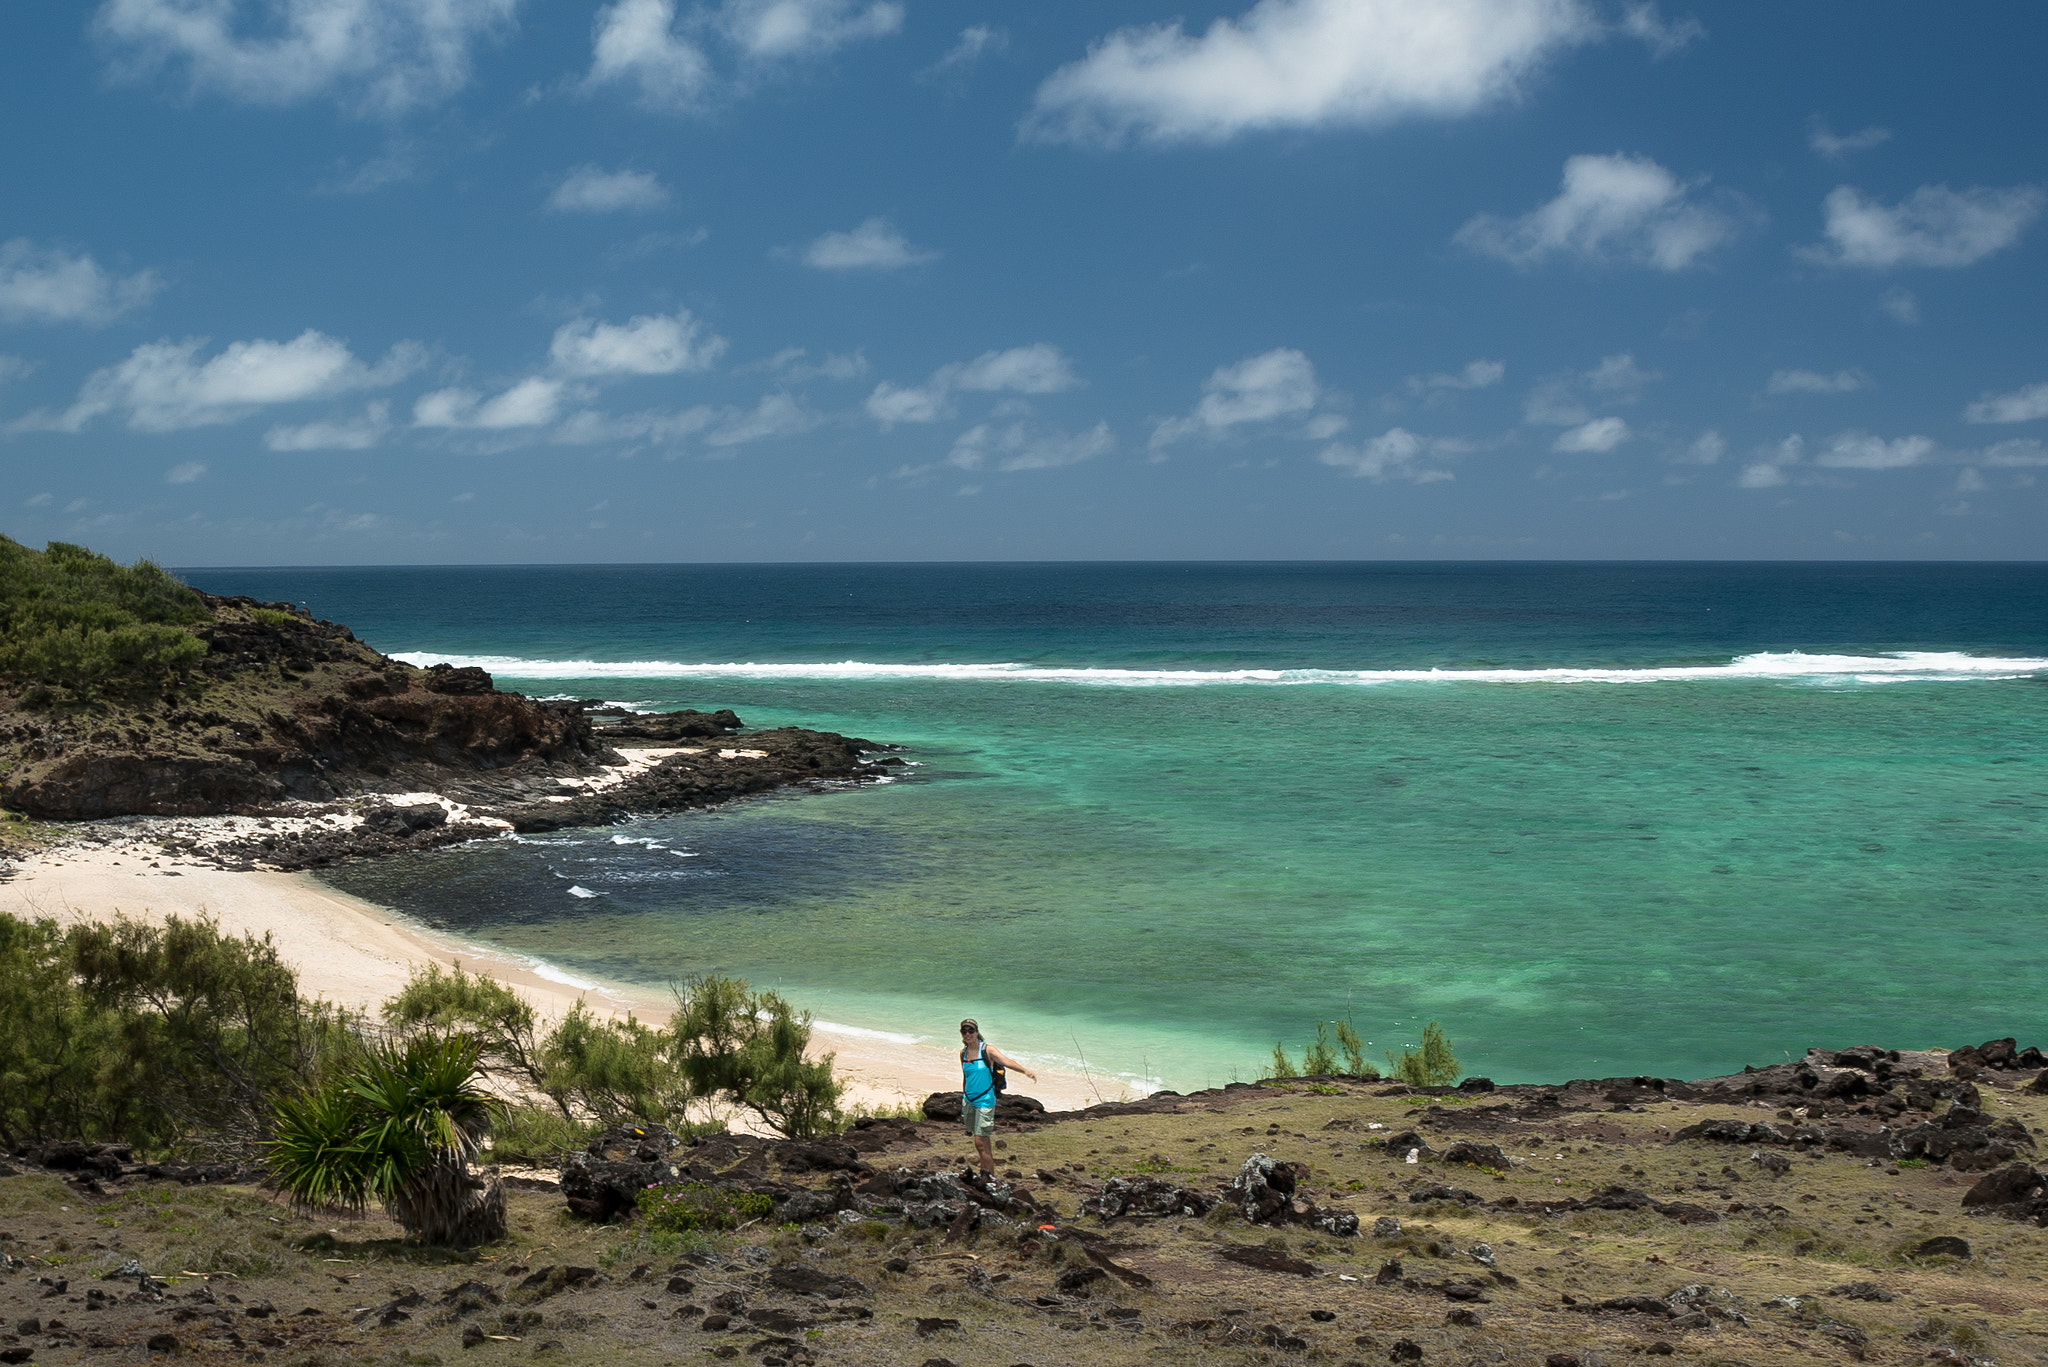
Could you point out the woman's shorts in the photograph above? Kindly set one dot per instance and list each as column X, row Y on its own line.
column 979, row 1120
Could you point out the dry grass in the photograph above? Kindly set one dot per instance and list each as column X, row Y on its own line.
column 1842, row 1221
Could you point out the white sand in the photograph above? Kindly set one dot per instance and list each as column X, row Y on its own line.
column 357, row 954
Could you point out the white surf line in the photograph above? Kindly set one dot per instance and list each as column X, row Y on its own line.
column 1908, row 666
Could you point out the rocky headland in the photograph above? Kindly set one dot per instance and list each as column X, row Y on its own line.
column 335, row 750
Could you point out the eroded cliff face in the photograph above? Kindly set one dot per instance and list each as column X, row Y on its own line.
column 281, row 707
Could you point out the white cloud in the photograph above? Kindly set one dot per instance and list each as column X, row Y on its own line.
column 1933, row 226
column 14, row 367
column 1475, row 375
column 1834, row 147
column 1599, row 435
column 773, row 29
column 873, row 246
column 1275, row 384
column 1663, row 38
column 1610, row 208
column 1813, row 382
column 964, row 54
column 1760, row 476
column 1324, row 426
column 165, row 387
column 1040, row 368
column 47, row 285
column 650, row 344
column 1036, row 369
column 588, row 190
column 1706, row 449
column 376, row 56
column 533, row 402
column 1304, row 64
column 1395, row 453
column 1561, row 400
column 185, row 473
column 777, row 415
column 355, row 434
column 637, row 43
column 1970, row 482
column 2019, row 453
column 1861, row 451
column 2022, row 405
column 1017, row 446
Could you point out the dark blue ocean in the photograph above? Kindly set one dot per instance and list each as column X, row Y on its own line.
column 1596, row 819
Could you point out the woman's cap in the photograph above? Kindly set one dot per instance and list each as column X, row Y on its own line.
column 969, row 1024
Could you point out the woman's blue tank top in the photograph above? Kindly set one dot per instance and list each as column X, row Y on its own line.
column 977, row 1083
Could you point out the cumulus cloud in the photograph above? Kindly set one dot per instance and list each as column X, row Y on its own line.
column 1475, row 375
column 1814, row 382
column 166, row 387
column 1395, row 453
column 769, row 29
column 380, row 57
column 1037, row 369
column 2024, row 452
column 1598, row 436
column 638, row 43
column 588, row 190
column 1834, row 147
column 47, row 285
column 1761, row 475
column 185, row 472
column 1280, row 383
column 1614, row 208
column 873, row 246
column 776, row 415
column 1706, row 449
column 1565, row 399
column 1304, row 64
column 1020, row 446
column 1862, row 451
column 533, row 402
column 1933, row 226
column 649, row 344
column 2022, row 405
column 350, row 434
column 1663, row 37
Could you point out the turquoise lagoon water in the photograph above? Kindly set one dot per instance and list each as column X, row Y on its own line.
column 1597, row 819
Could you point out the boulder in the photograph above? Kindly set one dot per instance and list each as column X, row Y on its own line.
column 1477, row 1155
column 1145, row 1196
column 1010, row 1108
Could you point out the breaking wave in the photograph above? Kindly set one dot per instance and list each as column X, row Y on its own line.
column 1905, row 666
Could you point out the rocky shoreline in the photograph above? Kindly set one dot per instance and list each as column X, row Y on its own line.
column 327, row 750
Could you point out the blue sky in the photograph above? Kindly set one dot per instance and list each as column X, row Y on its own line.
column 410, row 281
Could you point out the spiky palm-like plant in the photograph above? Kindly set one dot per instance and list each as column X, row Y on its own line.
column 399, row 1125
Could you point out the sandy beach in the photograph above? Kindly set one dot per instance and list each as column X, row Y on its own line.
column 358, row 954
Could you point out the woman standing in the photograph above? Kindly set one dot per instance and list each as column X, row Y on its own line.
column 978, row 1090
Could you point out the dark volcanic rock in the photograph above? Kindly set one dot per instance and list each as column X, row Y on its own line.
column 1010, row 1108
column 1145, row 1196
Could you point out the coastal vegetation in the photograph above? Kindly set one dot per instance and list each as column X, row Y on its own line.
column 74, row 620
column 1431, row 1063
column 1320, row 1058
column 182, row 1041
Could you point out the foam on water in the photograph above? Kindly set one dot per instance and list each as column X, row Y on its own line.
column 578, row 890
column 1905, row 666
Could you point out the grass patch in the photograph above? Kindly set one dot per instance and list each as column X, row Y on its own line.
column 693, row 1206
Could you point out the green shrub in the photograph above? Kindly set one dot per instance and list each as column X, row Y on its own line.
column 747, row 1047
column 1283, row 1066
column 398, row 1125
column 171, row 1037
column 537, row 1134
column 1319, row 1059
column 73, row 619
column 1354, row 1052
column 1431, row 1065
column 693, row 1206
column 272, row 617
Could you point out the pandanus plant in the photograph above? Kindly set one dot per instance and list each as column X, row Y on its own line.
column 399, row 1125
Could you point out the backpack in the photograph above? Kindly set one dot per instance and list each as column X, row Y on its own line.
column 996, row 1071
